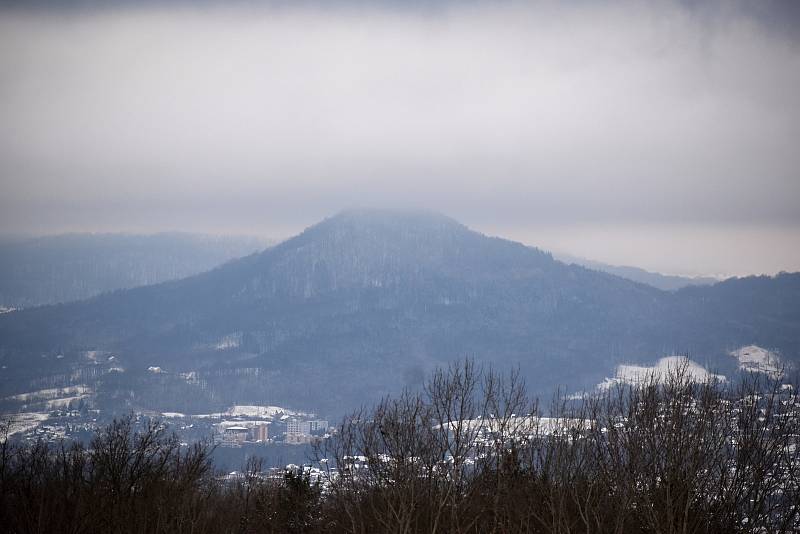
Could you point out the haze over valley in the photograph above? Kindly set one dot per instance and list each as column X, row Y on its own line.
column 382, row 266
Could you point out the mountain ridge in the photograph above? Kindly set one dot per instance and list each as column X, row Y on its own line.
column 667, row 282
column 360, row 304
column 68, row 267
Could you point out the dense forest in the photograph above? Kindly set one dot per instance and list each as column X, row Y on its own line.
column 471, row 452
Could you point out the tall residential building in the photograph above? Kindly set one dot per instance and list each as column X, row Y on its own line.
column 260, row 432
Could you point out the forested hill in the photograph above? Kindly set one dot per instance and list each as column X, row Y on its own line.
column 63, row 268
column 367, row 302
column 661, row 281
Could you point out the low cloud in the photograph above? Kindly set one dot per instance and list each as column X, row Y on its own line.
column 525, row 118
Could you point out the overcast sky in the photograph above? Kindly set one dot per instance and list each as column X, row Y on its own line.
column 657, row 134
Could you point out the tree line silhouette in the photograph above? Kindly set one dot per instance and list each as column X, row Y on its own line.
column 469, row 452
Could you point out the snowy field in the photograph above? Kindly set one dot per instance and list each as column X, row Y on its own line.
column 756, row 359
column 636, row 374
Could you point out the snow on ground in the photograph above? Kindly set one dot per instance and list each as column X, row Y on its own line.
column 95, row 356
column 155, row 369
column 259, row 411
column 51, row 393
column 63, row 402
column 231, row 341
column 173, row 415
column 222, row 425
column 22, row 422
column 756, row 359
column 191, row 377
column 635, row 374
column 524, row 425
column 248, row 410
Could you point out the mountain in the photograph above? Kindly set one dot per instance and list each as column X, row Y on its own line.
column 53, row 269
column 366, row 303
column 661, row 281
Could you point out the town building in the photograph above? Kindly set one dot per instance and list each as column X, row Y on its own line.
column 259, row 432
column 235, row 435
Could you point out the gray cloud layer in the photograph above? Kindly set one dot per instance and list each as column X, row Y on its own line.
column 549, row 122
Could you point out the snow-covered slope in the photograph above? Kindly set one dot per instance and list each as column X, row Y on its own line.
column 757, row 359
column 634, row 374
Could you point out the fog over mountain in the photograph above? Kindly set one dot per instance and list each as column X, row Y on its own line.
column 656, row 134
column 515, row 266
column 365, row 303
column 54, row 269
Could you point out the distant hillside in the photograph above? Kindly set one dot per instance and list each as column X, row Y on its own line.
column 63, row 268
column 661, row 281
column 368, row 302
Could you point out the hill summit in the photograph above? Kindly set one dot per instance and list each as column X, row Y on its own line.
column 365, row 303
